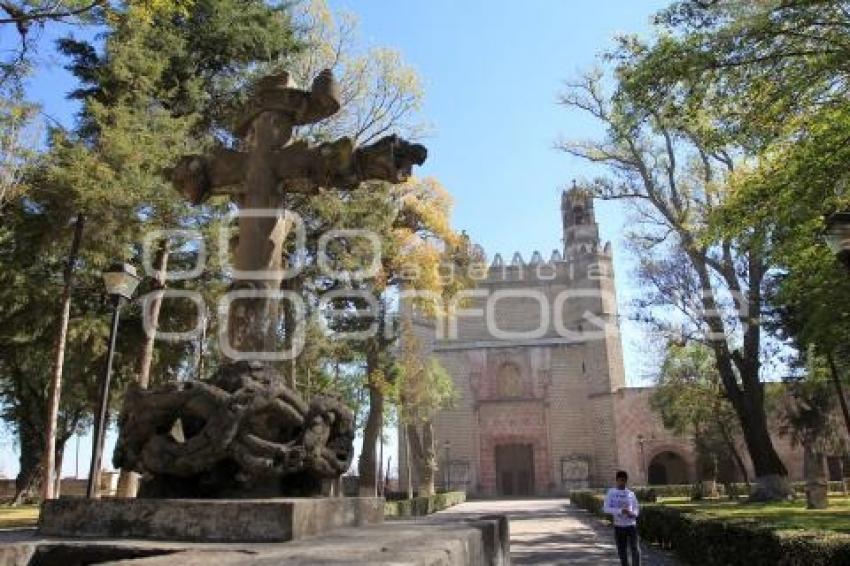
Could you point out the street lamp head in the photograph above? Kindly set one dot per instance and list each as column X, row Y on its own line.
column 837, row 234
column 121, row 280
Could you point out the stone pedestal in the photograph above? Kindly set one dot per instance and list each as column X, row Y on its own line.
column 438, row 539
column 202, row 520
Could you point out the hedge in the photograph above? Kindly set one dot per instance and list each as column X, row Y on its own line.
column 709, row 541
column 645, row 494
column 419, row 506
column 588, row 500
column 699, row 539
column 832, row 486
column 648, row 494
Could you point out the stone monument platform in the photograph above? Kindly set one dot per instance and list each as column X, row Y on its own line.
column 480, row 540
column 207, row 520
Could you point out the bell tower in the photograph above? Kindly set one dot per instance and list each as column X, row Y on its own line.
column 581, row 232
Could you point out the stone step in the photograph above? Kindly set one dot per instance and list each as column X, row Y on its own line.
column 431, row 541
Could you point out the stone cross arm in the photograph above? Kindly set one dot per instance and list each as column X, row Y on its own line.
column 300, row 168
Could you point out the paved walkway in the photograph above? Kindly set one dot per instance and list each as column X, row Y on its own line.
column 550, row 531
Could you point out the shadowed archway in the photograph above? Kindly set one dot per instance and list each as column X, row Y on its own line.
column 667, row 468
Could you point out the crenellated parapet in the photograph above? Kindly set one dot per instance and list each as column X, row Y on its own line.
column 597, row 259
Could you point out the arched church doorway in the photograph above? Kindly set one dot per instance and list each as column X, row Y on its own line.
column 667, row 468
column 515, row 469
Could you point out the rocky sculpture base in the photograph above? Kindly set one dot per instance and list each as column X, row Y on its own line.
column 241, row 434
column 218, row 520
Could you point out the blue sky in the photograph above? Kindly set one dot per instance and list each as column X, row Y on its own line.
column 491, row 71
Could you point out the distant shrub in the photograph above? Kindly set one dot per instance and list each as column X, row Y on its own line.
column 588, row 500
column 419, row 506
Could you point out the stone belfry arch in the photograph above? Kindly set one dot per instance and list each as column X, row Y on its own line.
column 581, row 232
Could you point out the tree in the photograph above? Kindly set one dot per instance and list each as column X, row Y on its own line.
column 809, row 290
column 690, row 399
column 25, row 15
column 52, row 472
column 410, row 221
column 18, row 134
column 761, row 65
column 808, row 416
column 424, row 387
column 192, row 84
column 420, row 240
column 675, row 170
column 139, row 113
column 380, row 95
column 776, row 75
column 32, row 255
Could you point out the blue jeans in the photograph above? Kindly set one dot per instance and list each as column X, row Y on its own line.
column 627, row 536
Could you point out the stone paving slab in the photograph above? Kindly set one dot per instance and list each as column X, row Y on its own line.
column 650, row 555
column 551, row 531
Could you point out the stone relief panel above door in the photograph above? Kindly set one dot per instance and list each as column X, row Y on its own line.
column 509, row 373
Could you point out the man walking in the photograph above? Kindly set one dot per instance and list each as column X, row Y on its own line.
column 623, row 505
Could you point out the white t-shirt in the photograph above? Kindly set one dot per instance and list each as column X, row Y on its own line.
column 615, row 501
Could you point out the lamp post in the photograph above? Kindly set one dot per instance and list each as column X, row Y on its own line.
column 837, row 236
column 641, row 440
column 121, row 281
column 447, row 445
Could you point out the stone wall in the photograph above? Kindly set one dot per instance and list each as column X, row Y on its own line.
column 636, row 420
column 71, row 487
column 642, row 436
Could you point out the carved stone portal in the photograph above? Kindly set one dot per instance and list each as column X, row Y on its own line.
column 244, row 433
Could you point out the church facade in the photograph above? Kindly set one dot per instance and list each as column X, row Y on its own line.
column 536, row 357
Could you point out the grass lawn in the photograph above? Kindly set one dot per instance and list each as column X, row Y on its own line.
column 781, row 516
column 22, row 516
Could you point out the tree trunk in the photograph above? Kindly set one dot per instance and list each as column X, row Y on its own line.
column 706, row 466
column 367, row 466
column 708, row 487
column 31, row 461
column 409, row 465
column 839, row 390
column 428, row 469
column 55, row 390
column 747, row 397
column 146, row 356
column 128, row 482
column 202, row 342
column 814, row 469
column 730, row 445
column 57, row 473
column 423, row 452
column 380, row 480
column 771, row 475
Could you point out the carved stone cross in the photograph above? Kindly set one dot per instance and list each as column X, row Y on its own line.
column 271, row 165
